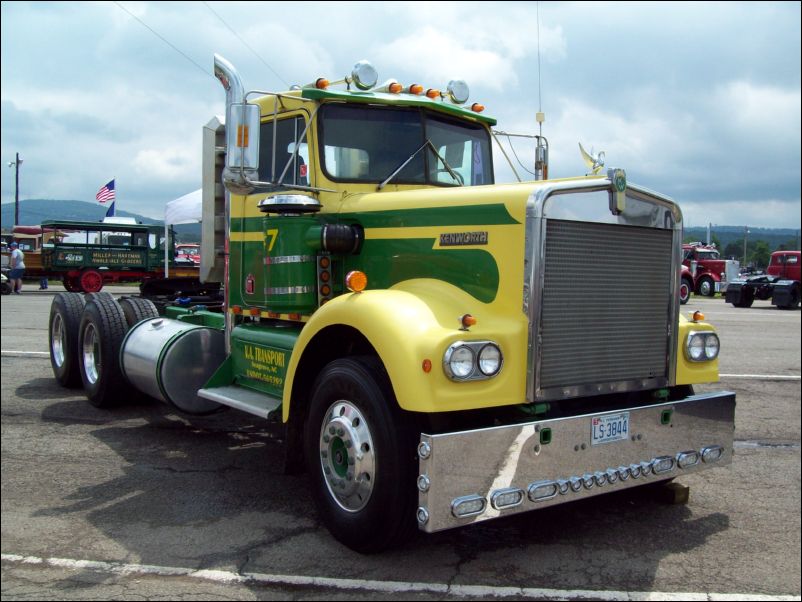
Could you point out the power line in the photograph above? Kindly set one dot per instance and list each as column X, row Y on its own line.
column 246, row 44
column 163, row 39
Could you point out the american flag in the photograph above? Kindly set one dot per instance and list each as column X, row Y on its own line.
column 106, row 193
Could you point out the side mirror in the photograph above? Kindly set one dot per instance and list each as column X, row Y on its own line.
column 242, row 139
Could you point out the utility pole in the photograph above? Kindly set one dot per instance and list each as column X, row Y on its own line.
column 746, row 232
column 16, row 164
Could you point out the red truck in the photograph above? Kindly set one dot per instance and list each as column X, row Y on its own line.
column 780, row 283
column 686, row 285
column 710, row 273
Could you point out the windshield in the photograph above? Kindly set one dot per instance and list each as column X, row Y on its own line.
column 367, row 144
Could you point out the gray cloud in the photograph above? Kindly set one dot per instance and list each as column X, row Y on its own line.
column 698, row 100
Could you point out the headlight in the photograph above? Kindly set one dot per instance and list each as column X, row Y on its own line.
column 711, row 346
column 461, row 362
column 702, row 346
column 490, row 359
column 472, row 360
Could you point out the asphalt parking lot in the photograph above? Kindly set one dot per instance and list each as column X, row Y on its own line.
column 141, row 503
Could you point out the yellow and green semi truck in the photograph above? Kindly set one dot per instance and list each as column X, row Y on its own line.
column 439, row 349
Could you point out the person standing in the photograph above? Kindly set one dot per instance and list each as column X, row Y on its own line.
column 17, row 265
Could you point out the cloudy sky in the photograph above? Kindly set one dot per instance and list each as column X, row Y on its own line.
column 700, row 101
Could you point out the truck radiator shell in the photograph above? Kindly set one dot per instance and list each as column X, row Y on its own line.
column 605, row 309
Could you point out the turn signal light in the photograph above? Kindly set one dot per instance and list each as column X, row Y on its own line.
column 356, row 281
column 321, row 83
column 698, row 316
column 467, row 321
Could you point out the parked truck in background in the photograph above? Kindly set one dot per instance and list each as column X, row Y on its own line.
column 87, row 255
column 780, row 283
column 424, row 337
column 711, row 274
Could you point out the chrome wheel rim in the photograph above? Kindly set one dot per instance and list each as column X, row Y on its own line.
column 57, row 342
column 347, row 456
column 91, row 354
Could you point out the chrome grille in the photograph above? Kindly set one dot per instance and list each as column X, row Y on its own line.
column 605, row 308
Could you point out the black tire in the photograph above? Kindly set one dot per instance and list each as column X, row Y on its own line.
column 707, row 287
column 102, row 330
column 5, row 288
column 63, row 329
column 353, row 408
column 685, row 288
column 747, row 298
column 136, row 310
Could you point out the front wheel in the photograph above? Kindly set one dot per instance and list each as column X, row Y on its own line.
column 685, row 289
column 360, row 455
column 707, row 288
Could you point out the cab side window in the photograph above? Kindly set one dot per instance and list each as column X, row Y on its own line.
column 288, row 136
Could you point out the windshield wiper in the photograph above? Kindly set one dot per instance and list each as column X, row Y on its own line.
column 428, row 143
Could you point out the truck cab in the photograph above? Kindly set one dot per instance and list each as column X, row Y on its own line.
column 710, row 272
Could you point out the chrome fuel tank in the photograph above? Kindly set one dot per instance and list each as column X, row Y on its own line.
column 171, row 360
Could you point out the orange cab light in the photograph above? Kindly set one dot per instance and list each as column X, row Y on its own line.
column 432, row 93
column 468, row 320
column 395, row 88
column 356, row 281
column 321, row 83
column 698, row 316
column 416, row 89
column 427, row 366
column 477, row 108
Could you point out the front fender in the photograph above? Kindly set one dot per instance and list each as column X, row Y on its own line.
column 688, row 372
column 417, row 320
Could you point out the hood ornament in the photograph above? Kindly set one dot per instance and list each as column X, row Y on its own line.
column 593, row 162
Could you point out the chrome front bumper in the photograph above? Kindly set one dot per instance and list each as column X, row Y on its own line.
column 471, row 476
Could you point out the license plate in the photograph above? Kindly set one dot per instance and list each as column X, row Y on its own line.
column 609, row 428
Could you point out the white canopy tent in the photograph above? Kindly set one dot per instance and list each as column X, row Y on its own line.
column 183, row 210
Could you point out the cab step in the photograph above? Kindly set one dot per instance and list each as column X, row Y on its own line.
column 240, row 398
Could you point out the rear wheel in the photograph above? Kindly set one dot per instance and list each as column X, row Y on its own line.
column 102, row 330
column 747, row 298
column 360, row 454
column 71, row 284
column 65, row 320
column 136, row 310
column 91, row 281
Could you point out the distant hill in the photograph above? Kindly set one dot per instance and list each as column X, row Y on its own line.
column 33, row 212
column 726, row 235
